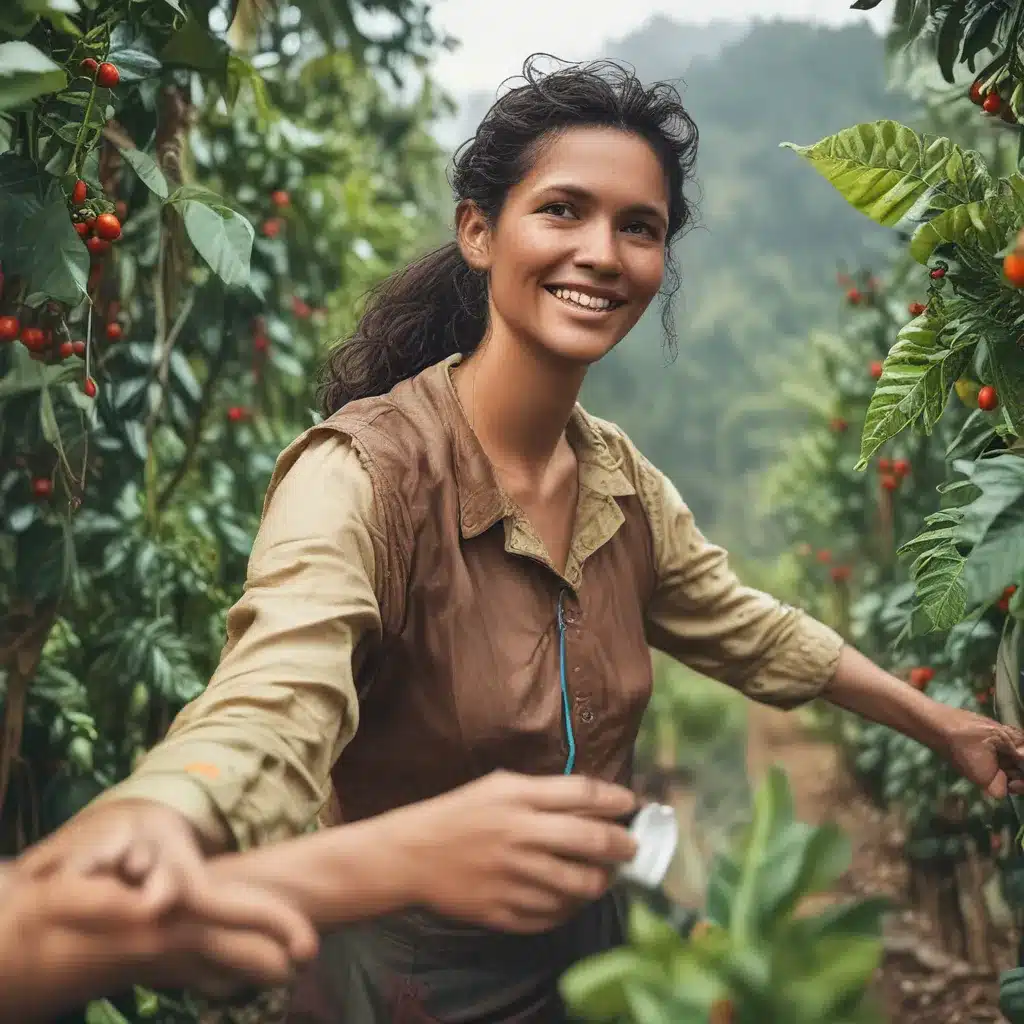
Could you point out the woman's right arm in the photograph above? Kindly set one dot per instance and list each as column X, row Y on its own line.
column 511, row 852
column 249, row 760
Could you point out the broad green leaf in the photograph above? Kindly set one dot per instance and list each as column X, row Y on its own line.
column 134, row 63
column 1000, row 480
column 1009, row 702
column 197, row 49
column 147, row 1003
column 1006, row 361
column 146, row 168
column 915, row 382
column 998, row 559
column 721, row 890
column 104, row 1012
column 651, row 934
column 973, row 438
column 46, row 560
column 595, row 989
column 890, row 173
column 26, row 73
column 182, row 377
column 197, row 192
column 222, row 237
column 940, row 590
column 647, row 1008
column 772, row 802
column 37, row 240
column 802, row 862
column 836, row 971
column 241, row 73
column 985, row 224
column 947, row 45
column 858, row 917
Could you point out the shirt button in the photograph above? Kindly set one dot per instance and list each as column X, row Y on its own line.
column 586, row 715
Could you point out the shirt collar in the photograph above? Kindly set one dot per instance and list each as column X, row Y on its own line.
column 482, row 501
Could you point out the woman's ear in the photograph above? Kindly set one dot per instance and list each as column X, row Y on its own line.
column 473, row 233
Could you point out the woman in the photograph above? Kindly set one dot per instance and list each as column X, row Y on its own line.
column 66, row 937
column 460, row 570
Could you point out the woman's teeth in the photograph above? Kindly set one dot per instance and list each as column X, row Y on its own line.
column 582, row 299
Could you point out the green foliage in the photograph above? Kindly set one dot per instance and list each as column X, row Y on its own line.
column 756, row 960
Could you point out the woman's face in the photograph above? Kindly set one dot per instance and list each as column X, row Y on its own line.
column 578, row 251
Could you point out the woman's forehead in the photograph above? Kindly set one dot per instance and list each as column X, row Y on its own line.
column 603, row 162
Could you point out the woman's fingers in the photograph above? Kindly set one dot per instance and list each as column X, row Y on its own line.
column 582, row 839
column 570, row 882
column 576, row 794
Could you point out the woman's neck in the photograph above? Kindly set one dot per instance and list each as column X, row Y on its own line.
column 518, row 400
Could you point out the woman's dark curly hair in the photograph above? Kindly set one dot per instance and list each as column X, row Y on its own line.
column 437, row 305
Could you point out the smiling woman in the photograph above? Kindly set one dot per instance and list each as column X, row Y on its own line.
column 460, row 570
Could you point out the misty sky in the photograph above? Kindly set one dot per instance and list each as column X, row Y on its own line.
column 497, row 35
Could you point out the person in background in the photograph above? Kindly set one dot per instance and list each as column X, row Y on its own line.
column 460, row 570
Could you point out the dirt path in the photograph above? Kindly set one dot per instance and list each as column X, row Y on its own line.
column 919, row 982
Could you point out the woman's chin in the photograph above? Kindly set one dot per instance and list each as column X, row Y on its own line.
column 582, row 346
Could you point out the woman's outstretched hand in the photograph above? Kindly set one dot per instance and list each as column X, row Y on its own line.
column 988, row 753
column 516, row 853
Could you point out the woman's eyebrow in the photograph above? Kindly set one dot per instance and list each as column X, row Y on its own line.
column 581, row 193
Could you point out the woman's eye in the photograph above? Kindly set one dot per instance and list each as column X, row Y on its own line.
column 640, row 228
column 558, row 209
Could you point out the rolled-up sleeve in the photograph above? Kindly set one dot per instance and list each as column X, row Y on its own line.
column 703, row 616
column 249, row 760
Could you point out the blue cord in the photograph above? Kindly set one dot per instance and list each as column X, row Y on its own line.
column 570, row 761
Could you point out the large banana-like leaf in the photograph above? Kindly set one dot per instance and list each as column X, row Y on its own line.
column 915, row 382
column 986, row 224
column 890, row 173
column 1009, row 705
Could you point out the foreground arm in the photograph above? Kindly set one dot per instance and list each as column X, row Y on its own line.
column 517, row 853
column 67, row 939
column 511, row 852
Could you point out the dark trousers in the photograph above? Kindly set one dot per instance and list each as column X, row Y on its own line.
column 416, row 968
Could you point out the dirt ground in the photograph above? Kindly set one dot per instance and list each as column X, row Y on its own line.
column 919, row 980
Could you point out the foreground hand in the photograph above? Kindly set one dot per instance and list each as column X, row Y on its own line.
column 144, row 843
column 516, row 853
column 70, row 938
column 215, row 933
column 988, row 753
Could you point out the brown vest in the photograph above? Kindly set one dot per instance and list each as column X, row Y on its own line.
column 466, row 678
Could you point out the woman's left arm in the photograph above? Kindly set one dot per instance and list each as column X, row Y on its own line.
column 984, row 751
column 703, row 616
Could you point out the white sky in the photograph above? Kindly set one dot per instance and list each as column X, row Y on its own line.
column 497, row 35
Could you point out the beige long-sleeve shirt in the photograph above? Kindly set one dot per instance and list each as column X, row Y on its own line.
column 250, row 760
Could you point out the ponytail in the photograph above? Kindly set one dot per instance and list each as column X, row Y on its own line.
column 431, row 309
